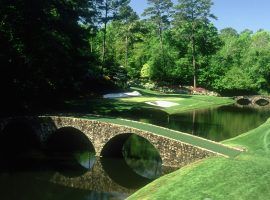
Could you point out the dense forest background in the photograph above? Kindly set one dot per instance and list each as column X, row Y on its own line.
column 57, row 49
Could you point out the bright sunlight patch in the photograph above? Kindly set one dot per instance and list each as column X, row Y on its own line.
column 164, row 104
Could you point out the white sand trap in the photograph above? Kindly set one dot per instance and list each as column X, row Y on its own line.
column 122, row 95
column 164, row 104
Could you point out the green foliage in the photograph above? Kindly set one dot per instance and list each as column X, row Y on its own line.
column 51, row 49
column 44, row 52
column 243, row 60
column 193, row 17
column 236, row 79
column 145, row 71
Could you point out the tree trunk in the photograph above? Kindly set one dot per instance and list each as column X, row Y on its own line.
column 194, row 64
column 161, row 43
column 126, row 56
column 194, row 67
column 104, row 34
column 91, row 44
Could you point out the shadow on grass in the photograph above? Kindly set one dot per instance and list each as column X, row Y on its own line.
column 111, row 108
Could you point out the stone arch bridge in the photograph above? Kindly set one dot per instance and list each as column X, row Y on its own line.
column 256, row 100
column 176, row 149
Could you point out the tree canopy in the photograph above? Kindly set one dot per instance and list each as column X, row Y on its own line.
column 56, row 49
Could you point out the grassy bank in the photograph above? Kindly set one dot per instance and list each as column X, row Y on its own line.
column 137, row 104
column 242, row 178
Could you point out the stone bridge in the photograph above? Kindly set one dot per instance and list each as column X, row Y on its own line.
column 108, row 135
column 256, row 100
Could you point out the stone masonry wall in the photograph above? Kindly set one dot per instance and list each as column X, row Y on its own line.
column 173, row 153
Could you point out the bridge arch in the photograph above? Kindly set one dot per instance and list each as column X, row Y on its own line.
column 72, row 151
column 172, row 152
column 261, row 101
column 257, row 100
column 139, row 160
column 243, row 101
column 114, row 147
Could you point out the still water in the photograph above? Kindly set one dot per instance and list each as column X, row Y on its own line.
column 66, row 168
column 217, row 123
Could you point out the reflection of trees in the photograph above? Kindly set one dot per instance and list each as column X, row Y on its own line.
column 142, row 157
column 219, row 123
column 85, row 159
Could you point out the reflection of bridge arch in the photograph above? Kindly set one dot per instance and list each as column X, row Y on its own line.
column 176, row 149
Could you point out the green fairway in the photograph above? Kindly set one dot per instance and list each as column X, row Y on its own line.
column 121, row 105
column 246, row 176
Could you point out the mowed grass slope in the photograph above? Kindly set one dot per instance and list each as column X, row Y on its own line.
column 242, row 178
column 136, row 104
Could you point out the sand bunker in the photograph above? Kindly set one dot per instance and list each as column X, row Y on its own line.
column 164, row 104
column 122, row 95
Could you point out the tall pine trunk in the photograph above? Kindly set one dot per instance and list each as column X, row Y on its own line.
column 194, row 64
column 161, row 44
column 126, row 55
column 104, row 34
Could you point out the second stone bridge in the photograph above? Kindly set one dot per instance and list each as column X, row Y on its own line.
column 255, row 101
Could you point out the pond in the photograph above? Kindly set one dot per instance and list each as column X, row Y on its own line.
column 66, row 167
column 70, row 171
column 217, row 123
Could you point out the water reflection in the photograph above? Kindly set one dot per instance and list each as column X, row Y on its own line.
column 218, row 123
column 66, row 168
column 131, row 161
column 71, row 152
column 85, row 159
column 33, row 186
column 120, row 173
column 142, row 157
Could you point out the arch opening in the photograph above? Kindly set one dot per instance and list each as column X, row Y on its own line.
column 20, row 146
column 71, row 152
column 243, row 101
column 262, row 102
column 131, row 160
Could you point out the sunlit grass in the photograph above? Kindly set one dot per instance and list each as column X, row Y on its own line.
column 244, row 177
column 185, row 103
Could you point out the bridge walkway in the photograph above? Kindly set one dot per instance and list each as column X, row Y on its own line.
column 172, row 134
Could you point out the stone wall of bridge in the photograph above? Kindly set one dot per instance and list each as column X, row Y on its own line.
column 253, row 101
column 172, row 152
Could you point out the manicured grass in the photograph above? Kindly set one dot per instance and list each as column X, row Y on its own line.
column 134, row 104
column 183, row 137
column 244, row 177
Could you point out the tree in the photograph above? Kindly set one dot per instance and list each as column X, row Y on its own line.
column 128, row 18
column 44, row 50
column 228, row 32
column 159, row 13
column 256, row 60
column 193, row 14
column 109, row 10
